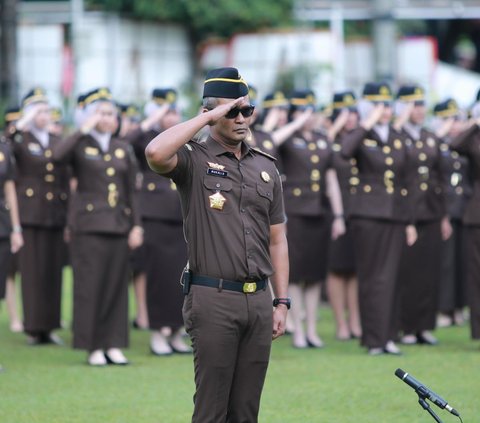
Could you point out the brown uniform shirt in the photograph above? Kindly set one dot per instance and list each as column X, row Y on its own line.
column 158, row 197
column 468, row 143
column 381, row 190
column 105, row 200
column 42, row 181
column 428, row 186
column 304, row 165
column 228, row 206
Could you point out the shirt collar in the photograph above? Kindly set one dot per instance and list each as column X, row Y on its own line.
column 217, row 149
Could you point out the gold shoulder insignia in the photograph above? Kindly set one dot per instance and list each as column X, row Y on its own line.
column 263, row 153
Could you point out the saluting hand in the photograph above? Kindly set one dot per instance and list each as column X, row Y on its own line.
column 221, row 110
column 374, row 116
column 155, row 118
column 445, row 127
column 90, row 123
column 404, row 116
column 338, row 125
column 23, row 122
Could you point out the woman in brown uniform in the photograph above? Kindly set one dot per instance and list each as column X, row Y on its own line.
column 419, row 272
column 379, row 213
column 42, row 187
column 468, row 144
column 306, row 161
column 448, row 123
column 342, row 284
column 104, row 223
column 162, row 220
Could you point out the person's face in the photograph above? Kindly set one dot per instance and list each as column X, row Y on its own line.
column 457, row 127
column 232, row 131
column 352, row 121
column 418, row 114
column 42, row 118
column 171, row 118
column 282, row 116
column 387, row 114
column 107, row 118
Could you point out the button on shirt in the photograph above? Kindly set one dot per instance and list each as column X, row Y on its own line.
column 228, row 238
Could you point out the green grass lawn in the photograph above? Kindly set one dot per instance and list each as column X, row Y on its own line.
column 339, row 383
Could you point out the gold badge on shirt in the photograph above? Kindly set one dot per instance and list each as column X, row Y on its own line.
column 431, row 142
column 2, row 157
column 91, row 151
column 265, row 176
column 34, row 148
column 217, row 201
column 216, row 166
column 119, row 153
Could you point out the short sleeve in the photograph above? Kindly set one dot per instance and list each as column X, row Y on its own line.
column 277, row 208
column 183, row 171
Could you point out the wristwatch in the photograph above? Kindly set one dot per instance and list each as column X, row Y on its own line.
column 285, row 301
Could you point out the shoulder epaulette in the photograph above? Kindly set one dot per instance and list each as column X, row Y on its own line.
column 263, row 153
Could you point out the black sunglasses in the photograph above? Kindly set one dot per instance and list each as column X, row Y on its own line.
column 245, row 111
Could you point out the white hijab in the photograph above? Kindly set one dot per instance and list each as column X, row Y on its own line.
column 103, row 139
column 41, row 134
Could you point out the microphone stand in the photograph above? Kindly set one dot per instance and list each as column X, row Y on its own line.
column 425, row 406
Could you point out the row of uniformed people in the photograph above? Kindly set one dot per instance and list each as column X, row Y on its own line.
column 298, row 174
column 427, row 171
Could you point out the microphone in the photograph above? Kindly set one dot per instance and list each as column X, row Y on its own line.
column 424, row 392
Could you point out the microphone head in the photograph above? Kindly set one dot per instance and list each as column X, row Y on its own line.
column 400, row 373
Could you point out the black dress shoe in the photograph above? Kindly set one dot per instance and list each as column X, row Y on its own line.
column 114, row 362
column 426, row 339
column 315, row 344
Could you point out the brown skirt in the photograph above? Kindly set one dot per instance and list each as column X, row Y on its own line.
column 308, row 243
column 165, row 259
column 100, row 295
column 341, row 257
column 418, row 279
column 473, row 278
column 453, row 271
column 378, row 244
column 41, row 263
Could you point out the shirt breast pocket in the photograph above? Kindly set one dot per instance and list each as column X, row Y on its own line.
column 218, row 194
column 264, row 198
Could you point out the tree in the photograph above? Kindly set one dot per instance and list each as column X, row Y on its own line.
column 207, row 18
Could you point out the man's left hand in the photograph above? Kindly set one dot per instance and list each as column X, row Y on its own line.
column 279, row 320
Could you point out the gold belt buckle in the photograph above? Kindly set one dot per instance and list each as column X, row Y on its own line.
column 249, row 287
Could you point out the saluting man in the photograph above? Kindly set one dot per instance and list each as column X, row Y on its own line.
column 234, row 224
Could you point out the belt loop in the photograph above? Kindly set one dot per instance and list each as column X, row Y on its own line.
column 220, row 285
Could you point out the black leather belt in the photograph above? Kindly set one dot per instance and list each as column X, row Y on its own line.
column 247, row 287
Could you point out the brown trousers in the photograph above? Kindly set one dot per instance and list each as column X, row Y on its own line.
column 378, row 244
column 419, row 277
column 100, row 295
column 231, row 335
column 41, row 263
column 473, row 278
